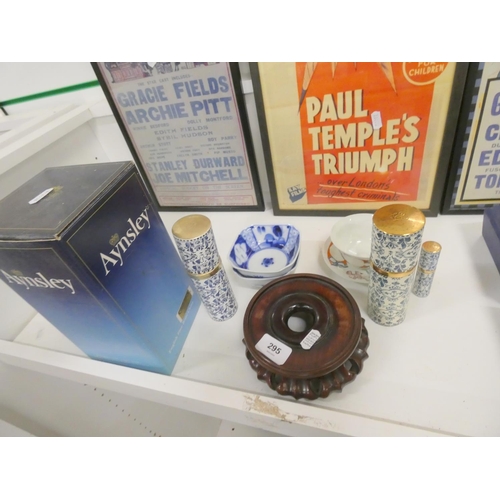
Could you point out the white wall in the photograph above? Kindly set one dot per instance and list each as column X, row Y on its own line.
column 22, row 79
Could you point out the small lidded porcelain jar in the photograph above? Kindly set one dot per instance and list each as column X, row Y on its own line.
column 197, row 248
column 396, row 240
column 429, row 256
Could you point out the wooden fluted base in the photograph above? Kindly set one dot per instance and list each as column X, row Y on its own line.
column 317, row 387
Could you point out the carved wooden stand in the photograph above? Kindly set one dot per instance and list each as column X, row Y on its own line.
column 333, row 361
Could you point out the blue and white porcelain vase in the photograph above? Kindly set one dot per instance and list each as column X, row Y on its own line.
column 429, row 256
column 216, row 294
column 396, row 241
column 196, row 244
column 388, row 297
column 397, row 233
column 195, row 241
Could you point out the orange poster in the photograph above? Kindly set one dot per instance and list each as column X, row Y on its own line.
column 355, row 136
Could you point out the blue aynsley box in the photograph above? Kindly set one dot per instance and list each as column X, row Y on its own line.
column 93, row 257
column 491, row 232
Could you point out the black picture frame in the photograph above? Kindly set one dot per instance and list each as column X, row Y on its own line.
column 246, row 192
column 473, row 115
column 441, row 169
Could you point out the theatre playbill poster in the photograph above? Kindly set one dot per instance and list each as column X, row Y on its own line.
column 352, row 137
column 474, row 182
column 187, row 128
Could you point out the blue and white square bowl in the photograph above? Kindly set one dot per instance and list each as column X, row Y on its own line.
column 265, row 250
column 258, row 282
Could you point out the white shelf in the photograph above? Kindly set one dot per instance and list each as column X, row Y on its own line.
column 436, row 374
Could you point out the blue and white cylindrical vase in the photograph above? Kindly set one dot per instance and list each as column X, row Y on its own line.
column 388, row 296
column 397, row 233
column 196, row 244
column 429, row 256
column 216, row 294
column 195, row 241
column 396, row 240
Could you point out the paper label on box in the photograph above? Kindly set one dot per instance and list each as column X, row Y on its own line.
column 273, row 349
column 43, row 194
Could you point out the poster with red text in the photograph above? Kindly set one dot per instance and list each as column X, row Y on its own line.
column 353, row 136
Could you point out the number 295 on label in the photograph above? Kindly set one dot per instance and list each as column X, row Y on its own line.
column 273, row 349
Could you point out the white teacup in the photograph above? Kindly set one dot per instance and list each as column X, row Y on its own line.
column 348, row 251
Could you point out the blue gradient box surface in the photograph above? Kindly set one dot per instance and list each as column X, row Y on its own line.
column 95, row 259
column 491, row 232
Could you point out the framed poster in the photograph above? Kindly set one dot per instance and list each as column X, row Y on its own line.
column 474, row 179
column 341, row 138
column 187, row 129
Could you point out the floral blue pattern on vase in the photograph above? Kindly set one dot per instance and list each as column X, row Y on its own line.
column 388, row 298
column 422, row 284
column 199, row 255
column 427, row 265
column 217, row 295
column 394, row 253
